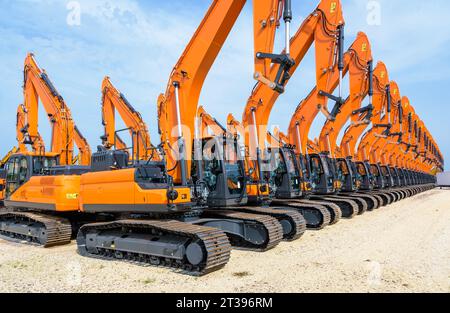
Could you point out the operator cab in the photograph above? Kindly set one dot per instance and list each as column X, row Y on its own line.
column 364, row 176
column 2, row 185
column 395, row 176
column 345, row 173
column 21, row 167
column 379, row 182
column 284, row 175
column 322, row 173
column 387, row 176
column 402, row 177
column 416, row 177
column 221, row 172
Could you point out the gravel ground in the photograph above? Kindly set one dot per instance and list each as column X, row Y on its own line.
column 404, row 247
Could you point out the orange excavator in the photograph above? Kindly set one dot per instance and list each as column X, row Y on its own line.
column 392, row 135
column 368, row 177
column 324, row 180
column 341, row 202
column 374, row 141
column 37, row 143
column 281, row 171
column 39, row 146
column 41, row 186
column 413, row 148
column 393, row 153
column 358, row 63
column 37, row 86
column 427, row 153
column 293, row 223
column 436, row 160
column 112, row 101
column 322, row 157
column 324, row 28
column 421, row 169
column 412, row 162
column 430, row 165
column 369, row 148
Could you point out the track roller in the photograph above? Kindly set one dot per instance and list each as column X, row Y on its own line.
column 348, row 207
column 293, row 223
column 36, row 228
column 192, row 249
column 247, row 231
column 317, row 216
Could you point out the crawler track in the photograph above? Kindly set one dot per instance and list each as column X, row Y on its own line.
column 372, row 202
column 317, row 216
column 333, row 209
column 212, row 244
column 36, row 228
column 348, row 207
column 359, row 201
column 293, row 223
column 385, row 197
column 274, row 230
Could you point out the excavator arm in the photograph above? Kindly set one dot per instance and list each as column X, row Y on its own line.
column 358, row 65
column 394, row 150
column 177, row 107
column 37, row 86
column 5, row 159
column 207, row 123
column 375, row 140
column 84, row 155
column 267, row 16
column 112, row 101
column 23, row 139
column 234, row 126
column 354, row 132
column 324, row 27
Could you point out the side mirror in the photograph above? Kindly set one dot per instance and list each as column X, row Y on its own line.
column 2, row 174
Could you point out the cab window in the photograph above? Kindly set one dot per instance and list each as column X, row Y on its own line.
column 361, row 170
column 374, row 170
column 316, row 166
column 15, row 175
column 23, row 170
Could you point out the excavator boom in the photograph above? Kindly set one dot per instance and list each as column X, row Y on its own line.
column 37, row 86
column 113, row 101
column 322, row 27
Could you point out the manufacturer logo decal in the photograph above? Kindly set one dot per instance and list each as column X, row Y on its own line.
column 333, row 7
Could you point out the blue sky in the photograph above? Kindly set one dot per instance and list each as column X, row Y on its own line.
column 137, row 43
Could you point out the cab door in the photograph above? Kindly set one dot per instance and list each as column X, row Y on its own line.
column 16, row 174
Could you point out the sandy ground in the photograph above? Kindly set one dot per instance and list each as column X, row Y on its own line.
column 404, row 247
